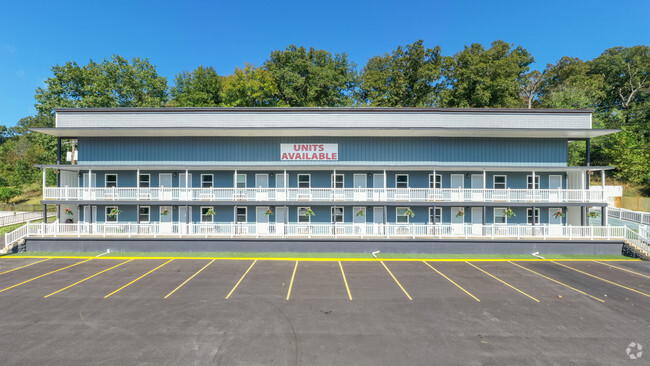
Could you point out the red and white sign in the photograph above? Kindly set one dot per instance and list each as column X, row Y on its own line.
column 309, row 151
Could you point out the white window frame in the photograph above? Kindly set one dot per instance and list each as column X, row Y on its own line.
column 148, row 180
column 502, row 214
column 237, row 214
column 106, row 180
column 237, row 180
column 303, row 216
column 537, row 215
column 202, row 215
column 402, row 175
column 211, row 180
column 108, row 219
column 529, row 181
column 333, row 217
column 437, row 214
column 334, row 176
column 494, row 181
column 438, row 181
column 148, row 220
column 308, row 180
column 397, row 215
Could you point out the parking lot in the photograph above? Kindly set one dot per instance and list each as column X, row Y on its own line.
column 304, row 312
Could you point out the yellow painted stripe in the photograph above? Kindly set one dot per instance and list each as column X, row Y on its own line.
column 396, row 281
column 43, row 275
column 27, row 265
column 604, row 280
column 87, row 278
column 137, row 279
column 241, row 279
column 452, row 281
column 292, row 277
column 345, row 281
column 291, row 259
column 558, row 282
column 613, row 266
column 188, row 280
column 502, row 281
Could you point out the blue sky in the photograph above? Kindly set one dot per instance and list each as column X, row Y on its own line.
column 181, row 35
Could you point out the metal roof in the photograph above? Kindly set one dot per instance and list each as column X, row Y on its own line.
column 321, row 110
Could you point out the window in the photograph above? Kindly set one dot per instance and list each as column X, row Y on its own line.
column 242, row 217
column 206, row 180
column 241, row 180
column 337, row 180
column 144, row 214
column 111, row 180
column 302, row 218
column 401, row 180
column 110, row 218
column 437, row 183
column 205, row 218
column 144, row 180
column 530, row 182
column 500, row 182
column 400, row 215
column 500, row 215
column 304, row 180
column 529, row 213
column 337, row 214
column 435, row 215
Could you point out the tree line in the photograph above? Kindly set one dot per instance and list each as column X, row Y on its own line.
column 615, row 84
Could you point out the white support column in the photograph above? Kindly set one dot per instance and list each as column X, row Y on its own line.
column 484, row 179
column 602, row 183
column 137, row 179
column 334, row 180
column 434, row 179
column 234, row 179
column 385, row 179
column 44, row 169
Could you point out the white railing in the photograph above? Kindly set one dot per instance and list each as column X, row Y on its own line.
column 16, row 235
column 325, row 194
column 326, row 231
column 20, row 217
column 628, row 215
column 640, row 238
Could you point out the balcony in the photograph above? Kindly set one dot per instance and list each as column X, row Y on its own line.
column 324, row 194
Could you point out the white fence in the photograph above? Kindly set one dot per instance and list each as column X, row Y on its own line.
column 20, row 217
column 325, row 194
column 628, row 215
column 640, row 238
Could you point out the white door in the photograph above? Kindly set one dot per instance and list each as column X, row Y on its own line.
column 165, row 183
column 182, row 219
column 457, row 222
column 477, row 220
column 280, row 192
column 280, row 220
column 166, row 225
column 87, row 219
column 457, row 182
column 360, row 187
column 378, row 220
column 554, row 224
column 359, row 220
column 262, row 185
column 554, row 183
column 378, row 184
column 477, row 183
column 92, row 183
column 181, row 184
column 262, row 220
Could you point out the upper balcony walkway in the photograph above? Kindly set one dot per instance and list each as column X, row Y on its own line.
column 325, row 194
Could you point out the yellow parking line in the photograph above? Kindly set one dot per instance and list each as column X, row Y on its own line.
column 558, row 282
column 621, row 268
column 187, row 280
column 502, row 281
column 345, row 281
column 27, row 265
column 452, row 281
column 87, row 278
column 396, row 281
column 43, row 275
column 292, row 277
column 602, row 279
column 241, row 279
column 137, row 279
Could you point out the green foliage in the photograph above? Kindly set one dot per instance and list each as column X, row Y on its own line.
column 251, row 87
column 312, row 78
column 406, row 78
column 7, row 193
column 199, row 88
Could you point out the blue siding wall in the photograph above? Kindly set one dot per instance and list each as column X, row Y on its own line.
column 352, row 150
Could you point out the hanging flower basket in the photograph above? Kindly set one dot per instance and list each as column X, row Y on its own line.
column 460, row 213
column 409, row 213
column 309, row 212
column 559, row 213
column 509, row 213
column 269, row 212
column 210, row 212
column 114, row 212
column 68, row 212
column 361, row 213
column 593, row 214
column 164, row 212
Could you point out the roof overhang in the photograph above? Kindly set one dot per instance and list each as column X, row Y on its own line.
column 70, row 132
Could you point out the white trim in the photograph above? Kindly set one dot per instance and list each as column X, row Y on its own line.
column 201, row 215
column 211, row 180
column 462, row 179
column 505, row 181
column 407, row 180
column 140, row 181
column 148, row 214
column 536, row 183
column 438, row 181
column 171, row 179
column 298, row 215
column 333, row 181
column 554, row 175
column 365, row 179
column 408, row 218
column 332, row 216
column 537, row 216
column 438, row 209
column 245, row 180
column 245, row 208
column 106, row 180
column 494, row 215
column 106, row 212
column 298, row 180
column 268, row 180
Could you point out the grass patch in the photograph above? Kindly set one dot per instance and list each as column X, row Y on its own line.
column 305, row 255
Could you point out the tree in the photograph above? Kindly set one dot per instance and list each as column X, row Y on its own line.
column 476, row 77
column 531, row 87
column 199, row 88
column 406, row 78
column 312, row 78
column 7, row 193
column 111, row 83
column 250, row 87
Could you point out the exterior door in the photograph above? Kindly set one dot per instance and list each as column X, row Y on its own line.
column 457, row 182
column 89, row 183
column 378, row 184
column 360, row 187
column 262, row 220
column 262, row 185
column 280, row 192
column 182, row 219
column 477, row 183
column 477, row 220
column 359, row 220
column 166, row 225
column 181, row 184
column 554, row 224
column 554, row 183
column 165, row 181
column 378, row 220
column 457, row 222
column 280, row 220
column 87, row 218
